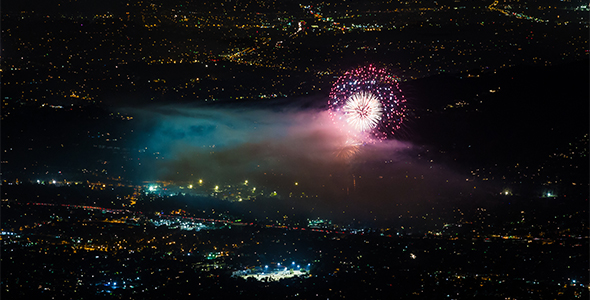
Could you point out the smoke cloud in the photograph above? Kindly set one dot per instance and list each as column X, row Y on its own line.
column 299, row 153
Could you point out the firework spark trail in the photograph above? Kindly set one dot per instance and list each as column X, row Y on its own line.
column 349, row 150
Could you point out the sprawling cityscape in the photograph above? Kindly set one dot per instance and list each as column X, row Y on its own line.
column 303, row 150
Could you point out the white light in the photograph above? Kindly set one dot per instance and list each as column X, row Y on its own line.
column 363, row 111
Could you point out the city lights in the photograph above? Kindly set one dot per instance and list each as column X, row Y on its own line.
column 281, row 150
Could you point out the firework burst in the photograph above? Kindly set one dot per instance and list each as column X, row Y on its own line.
column 363, row 111
column 369, row 100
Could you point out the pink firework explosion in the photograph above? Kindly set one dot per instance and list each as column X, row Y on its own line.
column 369, row 100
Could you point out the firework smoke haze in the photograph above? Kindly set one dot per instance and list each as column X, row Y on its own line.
column 233, row 144
column 273, row 150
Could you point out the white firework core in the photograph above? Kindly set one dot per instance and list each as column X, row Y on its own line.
column 363, row 111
